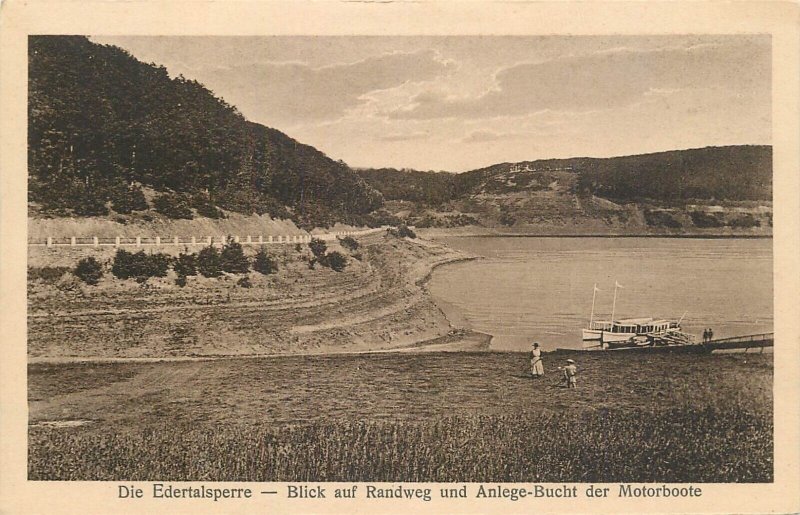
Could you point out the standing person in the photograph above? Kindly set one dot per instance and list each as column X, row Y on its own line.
column 710, row 334
column 705, row 335
column 537, row 367
column 570, row 373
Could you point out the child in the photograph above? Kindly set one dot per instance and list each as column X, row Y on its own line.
column 570, row 371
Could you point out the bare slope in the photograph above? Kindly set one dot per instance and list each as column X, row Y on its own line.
column 375, row 303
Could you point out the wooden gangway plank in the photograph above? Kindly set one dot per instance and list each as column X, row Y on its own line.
column 749, row 341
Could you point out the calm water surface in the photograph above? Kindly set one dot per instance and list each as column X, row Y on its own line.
column 541, row 288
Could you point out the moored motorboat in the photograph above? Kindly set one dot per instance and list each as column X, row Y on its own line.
column 630, row 332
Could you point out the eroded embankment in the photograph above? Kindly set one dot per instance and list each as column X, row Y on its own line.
column 378, row 302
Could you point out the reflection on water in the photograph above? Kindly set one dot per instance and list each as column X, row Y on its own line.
column 541, row 288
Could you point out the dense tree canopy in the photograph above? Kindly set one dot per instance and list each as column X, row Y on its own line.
column 731, row 173
column 102, row 122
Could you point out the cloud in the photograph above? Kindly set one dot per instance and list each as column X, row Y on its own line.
column 293, row 92
column 607, row 80
column 404, row 136
column 483, row 135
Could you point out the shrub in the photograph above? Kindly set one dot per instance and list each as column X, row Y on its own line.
column 91, row 206
column 336, row 261
column 233, row 260
column 264, row 263
column 704, row 220
column 318, row 247
column 89, row 270
column 47, row 274
column 139, row 266
column 180, row 280
column 209, row 263
column 744, row 221
column 349, row 243
column 244, row 282
column 173, row 206
column 405, row 232
column 660, row 218
column 185, row 264
column 507, row 219
column 206, row 208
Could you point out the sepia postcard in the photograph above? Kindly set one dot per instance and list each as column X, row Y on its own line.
column 448, row 257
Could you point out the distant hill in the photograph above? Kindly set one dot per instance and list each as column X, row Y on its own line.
column 724, row 173
column 632, row 192
column 105, row 128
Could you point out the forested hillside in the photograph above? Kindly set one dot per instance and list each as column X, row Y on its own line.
column 724, row 173
column 104, row 126
column 665, row 190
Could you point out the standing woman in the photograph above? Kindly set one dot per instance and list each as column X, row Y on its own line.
column 537, row 368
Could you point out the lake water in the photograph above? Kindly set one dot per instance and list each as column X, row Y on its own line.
column 540, row 289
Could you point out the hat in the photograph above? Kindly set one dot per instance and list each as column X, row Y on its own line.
column 570, row 361
column 535, row 344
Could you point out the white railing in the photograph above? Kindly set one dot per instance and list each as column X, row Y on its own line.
column 158, row 241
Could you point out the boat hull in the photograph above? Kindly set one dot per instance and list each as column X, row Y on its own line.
column 591, row 334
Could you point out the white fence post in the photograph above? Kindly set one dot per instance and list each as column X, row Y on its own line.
column 208, row 240
column 158, row 241
column 95, row 241
column 270, row 239
column 260, row 239
column 249, row 240
column 138, row 241
column 175, row 240
column 72, row 241
column 49, row 241
column 194, row 240
column 116, row 241
column 236, row 239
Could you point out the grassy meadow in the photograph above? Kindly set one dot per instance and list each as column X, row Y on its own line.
column 472, row 416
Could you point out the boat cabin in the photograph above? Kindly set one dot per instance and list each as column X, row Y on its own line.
column 641, row 326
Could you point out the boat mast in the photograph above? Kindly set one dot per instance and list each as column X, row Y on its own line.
column 594, row 294
column 614, row 305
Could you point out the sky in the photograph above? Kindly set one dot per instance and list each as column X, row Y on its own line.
column 458, row 103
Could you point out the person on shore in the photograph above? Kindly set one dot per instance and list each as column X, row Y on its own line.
column 570, row 374
column 537, row 367
column 710, row 334
column 705, row 335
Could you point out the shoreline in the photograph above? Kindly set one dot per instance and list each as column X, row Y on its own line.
column 449, row 233
column 383, row 305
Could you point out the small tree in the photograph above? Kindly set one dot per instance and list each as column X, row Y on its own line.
column 264, row 263
column 405, row 232
column 202, row 203
column 209, row 263
column 185, row 265
column 318, row 247
column 127, row 200
column 89, row 270
column 349, row 243
column 233, row 260
column 139, row 266
column 91, row 206
column 336, row 261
